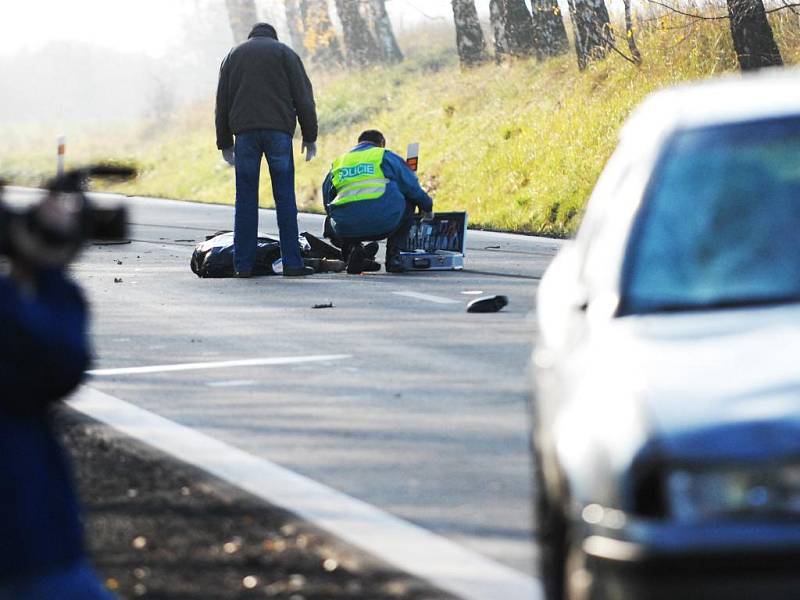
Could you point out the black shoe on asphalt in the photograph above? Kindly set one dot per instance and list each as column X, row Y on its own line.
column 355, row 262
column 297, row 271
column 394, row 264
column 370, row 266
column 370, row 250
column 243, row 274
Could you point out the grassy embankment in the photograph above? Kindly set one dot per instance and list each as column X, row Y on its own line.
column 519, row 145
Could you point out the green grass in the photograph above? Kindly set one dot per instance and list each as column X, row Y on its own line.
column 519, row 145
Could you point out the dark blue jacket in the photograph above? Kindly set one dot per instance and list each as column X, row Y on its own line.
column 383, row 215
column 43, row 354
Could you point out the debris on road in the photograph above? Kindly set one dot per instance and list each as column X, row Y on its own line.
column 324, row 305
column 494, row 247
column 117, row 279
column 487, row 304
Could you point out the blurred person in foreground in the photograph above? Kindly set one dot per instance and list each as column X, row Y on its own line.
column 43, row 354
column 371, row 194
column 263, row 91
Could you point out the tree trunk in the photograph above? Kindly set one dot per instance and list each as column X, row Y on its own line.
column 637, row 56
column 519, row 28
column 549, row 33
column 362, row 50
column 294, row 23
column 497, row 20
column 384, row 34
column 242, row 16
column 319, row 36
column 752, row 35
column 469, row 36
column 592, row 30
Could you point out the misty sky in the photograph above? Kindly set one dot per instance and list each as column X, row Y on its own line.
column 64, row 61
column 144, row 25
column 141, row 26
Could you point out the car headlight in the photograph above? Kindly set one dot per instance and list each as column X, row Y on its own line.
column 719, row 493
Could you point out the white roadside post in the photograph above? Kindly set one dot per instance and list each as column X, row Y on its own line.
column 62, row 148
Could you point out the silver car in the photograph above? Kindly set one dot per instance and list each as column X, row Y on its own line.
column 666, row 417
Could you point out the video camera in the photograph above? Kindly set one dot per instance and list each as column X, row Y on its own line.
column 51, row 232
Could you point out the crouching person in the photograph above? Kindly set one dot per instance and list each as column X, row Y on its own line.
column 371, row 194
column 43, row 355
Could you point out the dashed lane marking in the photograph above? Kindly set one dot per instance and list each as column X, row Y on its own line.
column 223, row 364
column 415, row 550
column 428, row 297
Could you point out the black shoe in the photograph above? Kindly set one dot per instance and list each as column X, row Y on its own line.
column 395, row 267
column 355, row 262
column 297, row 271
column 370, row 266
column 394, row 264
column 243, row 274
column 370, row 250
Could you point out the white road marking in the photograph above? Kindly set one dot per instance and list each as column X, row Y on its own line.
column 428, row 297
column 472, row 292
column 413, row 549
column 249, row 362
column 232, row 383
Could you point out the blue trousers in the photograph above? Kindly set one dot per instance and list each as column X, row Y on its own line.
column 250, row 146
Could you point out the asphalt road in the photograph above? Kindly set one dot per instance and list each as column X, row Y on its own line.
column 427, row 419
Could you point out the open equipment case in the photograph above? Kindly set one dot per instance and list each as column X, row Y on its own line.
column 438, row 244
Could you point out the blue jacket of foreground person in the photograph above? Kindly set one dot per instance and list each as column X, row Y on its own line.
column 43, row 354
column 379, row 216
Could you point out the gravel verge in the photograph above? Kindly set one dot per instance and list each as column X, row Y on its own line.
column 160, row 529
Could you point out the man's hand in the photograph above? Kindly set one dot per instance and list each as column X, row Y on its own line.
column 228, row 156
column 310, row 148
column 427, row 216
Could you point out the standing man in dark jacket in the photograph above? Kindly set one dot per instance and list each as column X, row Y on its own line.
column 263, row 91
column 371, row 194
column 43, row 354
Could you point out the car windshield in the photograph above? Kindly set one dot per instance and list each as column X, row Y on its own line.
column 720, row 225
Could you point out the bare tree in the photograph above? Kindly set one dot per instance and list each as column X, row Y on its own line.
column 469, row 35
column 294, row 23
column 752, row 35
column 362, row 49
column 519, row 28
column 497, row 22
column 384, row 34
column 592, row 29
column 319, row 36
column 549, row 33
column 637, row 56
column 242, row 16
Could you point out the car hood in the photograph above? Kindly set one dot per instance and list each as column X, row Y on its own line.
column 717, row 385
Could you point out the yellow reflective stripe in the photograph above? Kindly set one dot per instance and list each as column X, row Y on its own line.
column 359, row 195
column 365, row 182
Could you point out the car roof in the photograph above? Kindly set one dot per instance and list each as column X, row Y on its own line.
column 770, row 93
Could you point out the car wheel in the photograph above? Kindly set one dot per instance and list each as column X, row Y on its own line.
column 551, row 532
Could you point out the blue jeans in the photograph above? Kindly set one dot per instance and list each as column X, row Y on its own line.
column 248, row 149
column 75, row 582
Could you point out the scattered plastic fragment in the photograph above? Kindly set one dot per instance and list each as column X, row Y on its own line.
column 139, row 542
column 487, row 304
column 495, row 247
